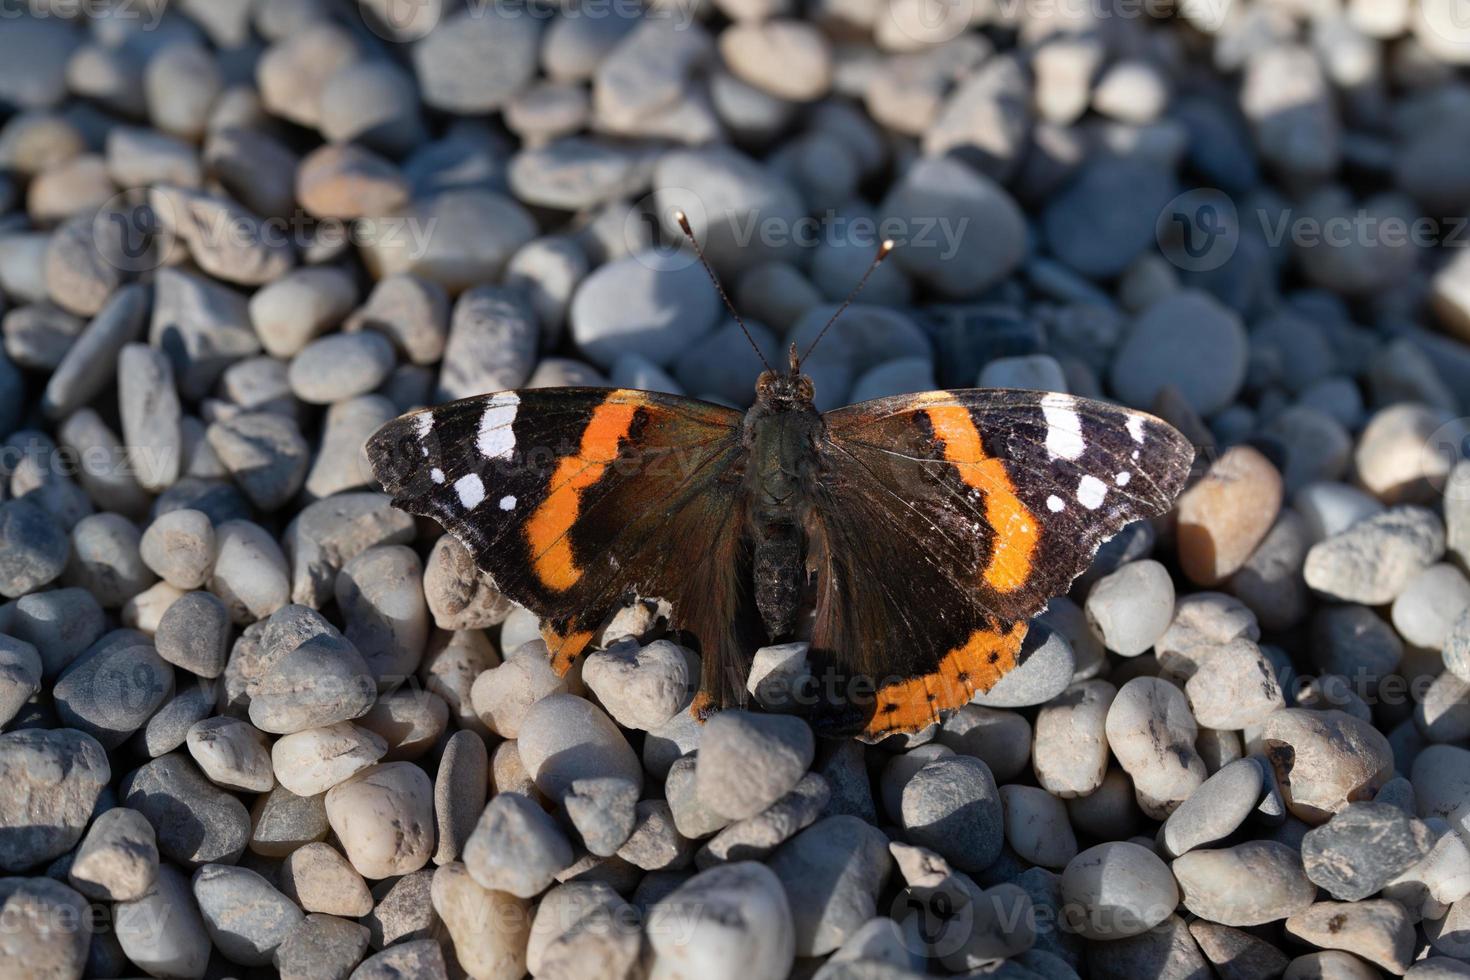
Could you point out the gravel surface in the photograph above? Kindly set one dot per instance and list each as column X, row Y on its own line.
column 254, row 721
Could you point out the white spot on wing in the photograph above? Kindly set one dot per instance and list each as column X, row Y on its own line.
column 1135, row 427
column 508, row 502
column 496, row 439
column 1063, row 427
column 1091, row 491
column 1054, row 504
column 424, row 423
column 471, row 491
column 437, row 475
column 1122, row 478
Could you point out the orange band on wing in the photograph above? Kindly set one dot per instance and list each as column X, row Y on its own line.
column 1016, row 529
column 909, row 705
column 564, row 647
column 546, row 530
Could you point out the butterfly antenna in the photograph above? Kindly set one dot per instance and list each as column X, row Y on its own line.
column 883, row 251
column 683, row 220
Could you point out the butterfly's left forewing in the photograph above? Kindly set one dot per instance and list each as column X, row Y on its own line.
column 945, row 520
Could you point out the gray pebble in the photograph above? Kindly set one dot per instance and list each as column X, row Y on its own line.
column 169, row 726
column 91, row 360
column 231, row 754
column 648, row 304
column 252, row 254
column 201, row 325
column 321, row 946
column 952, row 807
column 754, row 837
column 148, row 405
column 1362, row 848
column 265, row 453
column 1379, row 931
column 110, row 691
column 1430, row 604
column 564, row 738
column 641, row 687
column 196, row 822
column 409, row 720
column 1236, row 954
column 603, row 812
column 1168, row 950
column 1046, row 668
column 1353, row 641
column 460, row 788
column 246, row 917
column 1214, row 810
column 655, row 843
column 105, row 560
column 1250, row 884
column 329, row 533
column 58, row 773
column 373, row 102
column 288, row 313
column 20, row 676
column 1324, row 760
column 163, row 933
column 492, row 344
column 249, row 571
column 747, row 761
column 117, row 861
column 832, row 873
column 379, row 596
column 322, row 681
column 459, row 595
column 37, row 336
column 1374, row 560
column 340, row 366
column 1132, row 607
column 52, row 929
column 474, row 64
column 516, row 847
column 410, row 311
column 318, row 878
column 692, row 818
column 1154, row 353
column 1116, row 890
column 33, row 549
column 999, row 738
column 179, row 547
column 194, row 634
column 419, row 958
column 283, row 822
column 341, row 460
column 1037, row 826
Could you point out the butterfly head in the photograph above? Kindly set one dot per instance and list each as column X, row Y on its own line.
column 789, row 390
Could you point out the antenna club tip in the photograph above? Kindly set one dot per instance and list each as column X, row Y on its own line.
column 885, row 248
column 683, row 221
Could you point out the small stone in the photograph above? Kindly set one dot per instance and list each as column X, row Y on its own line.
column 1071, row 745
column 225, row 240
column 1355, row 642
column 170, row 724
column 1374, row 560
column 1152, row 733
column 641, row 687
column 1116, row 890
column 39, row 335
column 1362, row 848
column 1214, row 810
column 603, row 812
column 50, row 928
column 476, row 62
column 461, row 785
column 1390, row 460
column 1202, row 622
column 1223, row 517
column 1132, row 607
column 347, row 182
column 384, row 818
column 489, row 928
column 564, row 738
column 379, row 596
column 755, row 837
column 1325, row 760
column 985, row 118
column 179, row 547
column 326, row 535
column 516, row 847
column 415, row 958
column 747, row 762
column 832, row 873
column 475, row 232
column 410, row 311
column 105, row 559
column 691, row 817
column 736, row 925
column 1001, row 739
column 196, row 822
column 1045, row 670
column 110, row 691
column 56, row 773
column 411, row 722
column 231, row 754
column 283, row 822
column 1379, row 931
column 492, row 344
column 1155, row 353
column 20, row 676
column 265, row 453
column 291, row 73
column 289, row 312
column 162, row 933
column 952, row 807
column 315, row 760
column 245, row 915
column 321, row 946
column 1429, row 605
column 1250, row 884
column 33, row 549
column 647, row 304
column 194, row 633
column 1447, row 934
column 655, row 843
column 249, row 572
column 788, row 58
column 373, row 102
column 1037, row 827
column 1235, row 954
column 322, row 681
column 319, row 879
column 1234, row 687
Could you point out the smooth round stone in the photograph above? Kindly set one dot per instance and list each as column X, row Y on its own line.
column 384, row 818
column 1270, row 581
column 179, row 547
column 1119, row 198
column 1355, row 642
column 163, row 933
column 569, row 909
column 1045, row 670
column 1037, row 826
column 20, row 676
column 602, row 811
column 453, row 663
column 1441, row 778
column 1151, row 732
column 1364, row 847
column 313, row 761
column 169, row 726
column 641, row 687
column 691, row 817
column 461, row 786
column 489, row 928
column 1214, row 810
column 1324, row 760
column 651, row 304
column 1246, row 885
column 1429, row 605
column 787, row 58
column 748, row 761
column 345, row 182
column 322, row 681
column 410, row 721
column 105, row 560
column 999, row 738
column 246, row 917
column 1234, row 687
column 1166, row 950
column 477, row 61
column 720, row 190
column 832, row 873
column 412, row 312
column 1132, row 607
column 563, row 738
column 1202, row 622
column 380, row 597
column 736, row 922
column 33, row 548
column 265, row 453
column 56, row 772
column 1188, row 340
column 282, row 822
column 329, row 533
column 196, row 822
column 1070, row 752
column 372, row 102
column 516, row 847
column 318, row 878
column 1374, row 560
column 232, row 754
column 340, row 366
column 1379, row 931
column 1390, row 460
column 290, row 73
column 323, row 944
column 476, row 233
column 1224, row 516
column 50, row 929
column 902, row 768
column 492, row 343
column 110, row 691
column 118, row 859
column 1116, row 890
column 194, row 633
column 952, row 807
column 1438, row 968
column 299, row 306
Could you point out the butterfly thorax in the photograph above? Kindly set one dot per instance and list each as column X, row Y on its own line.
column 781, row 435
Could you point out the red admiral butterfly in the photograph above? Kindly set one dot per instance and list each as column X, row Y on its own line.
column 910, row 537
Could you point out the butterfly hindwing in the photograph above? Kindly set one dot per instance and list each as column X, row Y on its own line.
column 945, row 520
column 575, row 500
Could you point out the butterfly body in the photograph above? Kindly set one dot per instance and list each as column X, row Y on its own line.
column 909, row 538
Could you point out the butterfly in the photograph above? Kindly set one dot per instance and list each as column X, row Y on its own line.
column 910, row 538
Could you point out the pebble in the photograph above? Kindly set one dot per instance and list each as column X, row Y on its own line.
column 648, row 304
column 1151, row 732
column 232, row 754
column 288, row 313
column 1132, row 607
column 322, row 681
column 322, row 946
column 415, row 958
column 411, row 311
column 1216, row 809
column 373, row 102
column 748, row 761
column 110, row 691
column 59, row 773
column 1205, row 360
column 1226, row 515
column 475, row 232
column 1362, row 848
column 201, row 325
column 1379, row 931
column 196, row 822
column 1429, row 605
column 832, row 873
column 1324, row 760
column 1354, row 642
column 33, row 549
column 246, row 917
column 1115, row 890
column 346, row 182
column 516, row 847
column 1249, row 884
column 384, row 818
column 1037, row 826
column 489, row 928
column 251, row 254
column 194, row 633
column 315, row 760
column 1390, row 460
column 329, row 533
column 163, row 933
column 1234, row 687
column 1374, row 560
column 249, row 572
column 20, row 676
column 170, row 724
column 787, row 58
column 492, row 344
column 282, row 822
column 733, row 923
column 1270, row 581
column 104, row 559
column 641, row 687
column 292, row 71
column 318, row 878
column 1070, row 750
column 379, row 596
column 564, row 738
column 951, row 806
column 1046, row 670
column 265, row 453
column 477, row 61
column 1203, row 621
column 51, row 930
